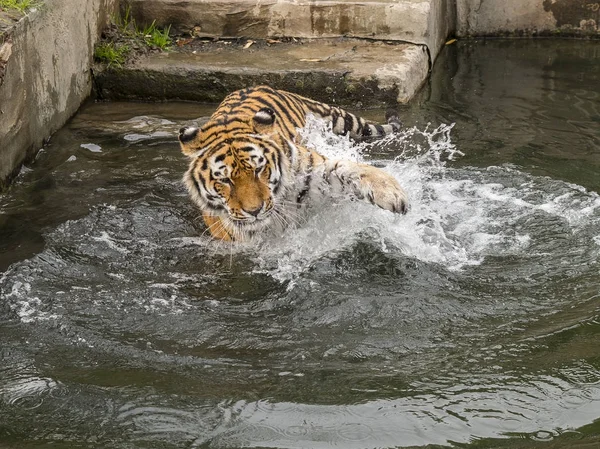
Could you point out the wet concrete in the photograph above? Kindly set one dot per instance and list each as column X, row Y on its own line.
column 44, row 74
column 528, row 18
column 343, row 71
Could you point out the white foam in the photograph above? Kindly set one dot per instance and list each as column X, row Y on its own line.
column 106, row 238
column 134, row 137
column 458, row 216
column 27, row 306
column 94, row 148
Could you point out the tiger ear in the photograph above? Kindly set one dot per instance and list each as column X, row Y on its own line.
column 186, row 136
column 265, row 117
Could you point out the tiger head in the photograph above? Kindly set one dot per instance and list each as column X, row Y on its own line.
column 236, row 170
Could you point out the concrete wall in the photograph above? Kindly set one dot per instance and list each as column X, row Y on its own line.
column 45, row 58
column 528, row 17
column 426, row 22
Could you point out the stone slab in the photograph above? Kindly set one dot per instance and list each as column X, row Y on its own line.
column 340, row 71
column 425, row 22
column 45, row 59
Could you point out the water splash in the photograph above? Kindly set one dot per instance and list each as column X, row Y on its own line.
column 458, row 217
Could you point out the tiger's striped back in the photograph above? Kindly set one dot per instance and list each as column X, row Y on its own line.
column 291, row 111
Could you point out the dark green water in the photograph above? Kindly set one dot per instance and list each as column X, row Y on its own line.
column 472, row 321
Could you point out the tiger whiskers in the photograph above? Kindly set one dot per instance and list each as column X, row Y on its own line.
column 230, row 255
column 281, row 219
column 290, row 214
column 213, row 226
column 286, row 220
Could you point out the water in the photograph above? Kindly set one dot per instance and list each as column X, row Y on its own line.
column 474, row 320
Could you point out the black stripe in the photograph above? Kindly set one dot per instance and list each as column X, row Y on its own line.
column 195, row 181
column 284, row 111
column 277, row 98
column 307, row 180
column 222, row 123
column 348, row 123
column 265, row 89
column 277, row 156
column 246, row 107
column 220, row 137
column 295, row 108
column 300, row 103
column 268, row 146
column 193, row 172
column 322, row 109
column 334, row 117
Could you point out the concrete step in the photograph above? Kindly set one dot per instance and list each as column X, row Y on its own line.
column 341, row 71
column 425, row 22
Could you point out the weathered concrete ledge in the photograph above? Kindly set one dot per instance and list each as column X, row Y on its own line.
column 45, row 59
column 341, row 71
column 425, row 22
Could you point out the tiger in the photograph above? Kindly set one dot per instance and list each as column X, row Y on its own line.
column 248, row 169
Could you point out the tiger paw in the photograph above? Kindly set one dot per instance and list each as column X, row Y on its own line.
column 374, row 184
column 382, row 189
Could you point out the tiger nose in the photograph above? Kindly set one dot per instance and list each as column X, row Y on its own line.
column 187, row 133
column 255, row 212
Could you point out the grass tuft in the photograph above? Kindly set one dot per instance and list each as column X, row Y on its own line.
column 20, row 5
column 111, row 54
column 124, row 39
column 155, row 37
column 152, row 35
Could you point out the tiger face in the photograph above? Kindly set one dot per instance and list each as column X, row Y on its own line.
column 237, row 178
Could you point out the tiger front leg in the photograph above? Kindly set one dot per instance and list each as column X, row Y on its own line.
column 370, row 183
